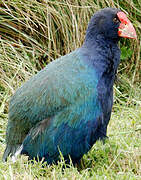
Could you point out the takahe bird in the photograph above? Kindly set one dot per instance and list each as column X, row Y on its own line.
column 66, row 107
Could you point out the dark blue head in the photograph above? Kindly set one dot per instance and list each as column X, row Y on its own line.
column 104, row 23
column 109, row 24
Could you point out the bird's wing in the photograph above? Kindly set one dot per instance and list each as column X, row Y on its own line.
column 53, row 92
column 73, row 129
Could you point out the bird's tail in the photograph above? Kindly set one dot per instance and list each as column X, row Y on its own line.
column 13, row 151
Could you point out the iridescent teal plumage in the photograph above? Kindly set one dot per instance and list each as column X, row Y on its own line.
column 64, row 96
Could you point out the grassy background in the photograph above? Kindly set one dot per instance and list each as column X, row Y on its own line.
column 35, row 32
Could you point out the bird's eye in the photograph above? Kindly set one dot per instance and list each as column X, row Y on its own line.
column 116, row 20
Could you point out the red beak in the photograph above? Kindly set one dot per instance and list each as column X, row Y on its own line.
column 126, row 28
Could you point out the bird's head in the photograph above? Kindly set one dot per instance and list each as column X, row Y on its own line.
column 111, row 23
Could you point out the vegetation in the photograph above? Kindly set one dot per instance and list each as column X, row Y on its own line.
column 35, row 32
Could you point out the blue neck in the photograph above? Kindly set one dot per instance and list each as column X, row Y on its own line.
column 103, row 55
column 99, row 41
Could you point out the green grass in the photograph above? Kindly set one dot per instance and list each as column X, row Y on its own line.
column 33, row 33
column 118, row 158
